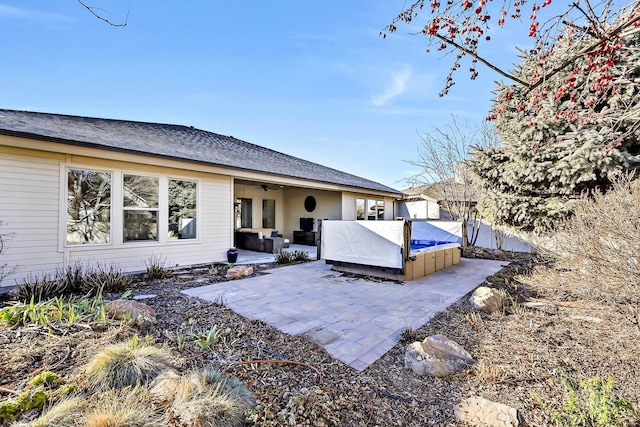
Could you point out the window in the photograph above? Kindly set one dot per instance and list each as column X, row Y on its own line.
column 360, row 204
column 140, row 206
column 374, row 209
column 371, row 210
column 246, row 213
column 182, row 209
column 380, row 209
column 88, row 207
column 268, row 214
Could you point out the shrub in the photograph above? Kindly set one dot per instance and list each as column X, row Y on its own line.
column 106, row 278
column 157, row 268
column 591, row 403
column 207, row 398
column 289, row 257
column 53, row 311
column 126, row 364
column 39, row 288
column 71, row 277
column 596, row 251
column 300, row 256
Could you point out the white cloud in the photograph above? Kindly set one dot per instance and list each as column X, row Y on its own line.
column 16, row 12
column 397, row 87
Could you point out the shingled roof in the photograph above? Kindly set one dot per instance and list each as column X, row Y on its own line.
column 173, row 142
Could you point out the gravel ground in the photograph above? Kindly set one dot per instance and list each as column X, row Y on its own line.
column 517, row 352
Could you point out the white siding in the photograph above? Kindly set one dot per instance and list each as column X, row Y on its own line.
column 29, row 197
column 349, row 206
column 30, row 207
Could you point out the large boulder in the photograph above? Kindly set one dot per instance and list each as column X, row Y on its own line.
column 437, row 356
column 487, row 299
column 477, row 411
column 136, row 313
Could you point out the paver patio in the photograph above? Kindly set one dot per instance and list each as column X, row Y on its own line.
column 355, row 320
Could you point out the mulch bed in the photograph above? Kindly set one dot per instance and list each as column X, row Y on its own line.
column 517, row 352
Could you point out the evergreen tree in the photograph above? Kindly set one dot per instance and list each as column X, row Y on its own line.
column 566, row 132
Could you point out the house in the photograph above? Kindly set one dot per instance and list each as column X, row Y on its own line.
column 445, row 201
column 439, row 200
column 81, row 189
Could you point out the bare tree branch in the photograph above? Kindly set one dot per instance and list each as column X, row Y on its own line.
column 481, row 59
column 92, row 10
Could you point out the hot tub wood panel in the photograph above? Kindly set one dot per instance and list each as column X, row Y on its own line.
column 429, row 262
column 439, row 260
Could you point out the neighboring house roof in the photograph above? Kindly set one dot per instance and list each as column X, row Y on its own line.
column 436, row 191
column 173, row 142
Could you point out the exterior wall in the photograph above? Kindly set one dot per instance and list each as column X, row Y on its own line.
column 257, row 194
column 328, row 206
column 349, row 206
column 421, row 209
column 33, row 209
column 29, row 206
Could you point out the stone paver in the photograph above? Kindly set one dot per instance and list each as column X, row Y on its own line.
column 356, row 321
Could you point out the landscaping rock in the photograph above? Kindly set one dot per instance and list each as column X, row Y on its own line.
column 239, row 271
column 477, row 411
column 135, row 312
column 437, row 356
column 497, row 252
column 486, row 299
column 145, row 296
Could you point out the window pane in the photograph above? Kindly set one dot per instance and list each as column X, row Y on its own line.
column 182, row 209
column 246, row 213
column 268, row 214
column 380, row 209
column 140, row 191
column 359, row 208
column 88, row 207
column 371, row 209
column 140, row 225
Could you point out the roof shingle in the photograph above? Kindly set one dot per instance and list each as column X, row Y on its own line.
column 174, row 142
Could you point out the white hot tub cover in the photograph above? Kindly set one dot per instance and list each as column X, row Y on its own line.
column 377, row 243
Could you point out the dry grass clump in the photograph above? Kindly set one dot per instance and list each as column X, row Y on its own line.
column 289, row 257
column 73, row 279
column 597, row 257
column 106, row 278
column 207, row 398
column 157, row 268
column 126, row 364
column 132, row 408
column 39, row 288
column 65, row 413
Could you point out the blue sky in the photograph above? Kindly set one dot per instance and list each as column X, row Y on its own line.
column 311, row 79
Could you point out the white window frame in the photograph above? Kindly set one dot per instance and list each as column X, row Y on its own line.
column 157, row 209
column 197, row 238
column 116, row 226
column 64, row 200
column 376, row 208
